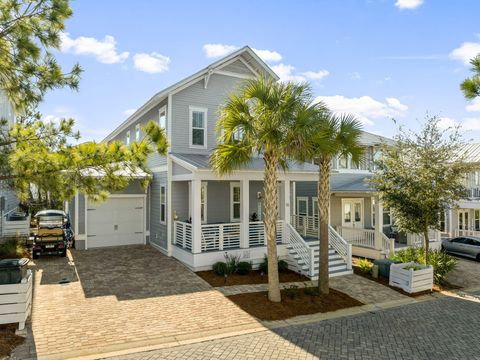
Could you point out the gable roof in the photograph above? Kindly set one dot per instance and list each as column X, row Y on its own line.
column 245, row 53
column 471, row 153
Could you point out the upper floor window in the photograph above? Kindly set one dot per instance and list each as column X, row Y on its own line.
column 198, row 127
column 343, row 162
column 127, row 138
column 163, row 201
column 162, row 117
column 137, row 132
column 476, row 178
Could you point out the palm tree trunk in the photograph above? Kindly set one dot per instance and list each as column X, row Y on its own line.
column 271, row 215
column 323, row 198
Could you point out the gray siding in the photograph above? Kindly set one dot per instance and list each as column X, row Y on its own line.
column 71, row 212
column 179, row 170
column 155, row 159
column 180, row 199
column 237, row 67
column 158, row 231
column 218, row 201
column 135, row 187
column 11, row 200
column 81, row 214
column 219, row 86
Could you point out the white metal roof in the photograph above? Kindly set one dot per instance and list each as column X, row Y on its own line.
column 471, row 153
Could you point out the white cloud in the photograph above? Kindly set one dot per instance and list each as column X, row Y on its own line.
column 268, row 55
column 445, row 123
column 288, row 73
column 129, row 112
column 466, row 52
column 365, row 107
column 355, row 75
column 218, row 50
column 471, row 124
column 408, row 4
column 54, row 119
column 473, row 106
column 151, row 63
column 104, row 50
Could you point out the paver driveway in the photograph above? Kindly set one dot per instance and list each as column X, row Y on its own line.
column 123, row 297
column 441, row 329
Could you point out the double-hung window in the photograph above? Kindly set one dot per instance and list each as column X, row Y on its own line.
column 235, row 202
column 163, row 207
column 198, row 127
column 137, row 132
column 127, row 138
column 162, row 117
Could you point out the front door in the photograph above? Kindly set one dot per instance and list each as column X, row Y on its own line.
column 302, row 211
column 352, row 211
column 463, row 219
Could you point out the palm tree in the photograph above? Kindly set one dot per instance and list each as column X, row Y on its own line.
column 270, row 120
column 333, row 135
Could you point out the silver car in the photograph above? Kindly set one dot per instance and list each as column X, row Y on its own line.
column 463, row 245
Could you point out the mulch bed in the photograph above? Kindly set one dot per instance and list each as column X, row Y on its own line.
column 8, row 339
column 254, row 277
column 385, row 282
column 258, row 305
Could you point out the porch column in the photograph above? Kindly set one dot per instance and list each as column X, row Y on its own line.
column 451, row 228
column 196, row 216
column 378, row 223
column 245, row 213
column 286, row 201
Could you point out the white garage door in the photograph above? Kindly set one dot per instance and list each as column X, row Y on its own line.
column 117, row 221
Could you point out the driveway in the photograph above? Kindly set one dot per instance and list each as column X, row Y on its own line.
column 105, row 300
column 440, row 329
column 466, row 274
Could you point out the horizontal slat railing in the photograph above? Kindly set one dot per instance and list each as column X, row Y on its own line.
column 220, row 236
column 358, row 237
column 305, row 225
column 460, row 232
column 340, row 245
column 15, row 227
column 183, row 235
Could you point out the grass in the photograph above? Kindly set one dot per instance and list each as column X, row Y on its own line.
column 294, row 302
column 13, row 248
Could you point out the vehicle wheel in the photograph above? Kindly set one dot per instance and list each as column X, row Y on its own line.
column 442, row 249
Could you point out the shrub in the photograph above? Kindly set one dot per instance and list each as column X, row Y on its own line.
column 442, row 264
column 312, row 291
column 282, row 266
column 220, row 268
column 365, row 266
column 12, row 248
column 244, row 268
column 292, row 291
column 232, row 263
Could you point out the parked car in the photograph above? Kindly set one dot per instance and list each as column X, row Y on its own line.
column 463, row 245
column 52, row 233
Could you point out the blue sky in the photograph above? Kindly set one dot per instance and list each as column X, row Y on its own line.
column 376, row 58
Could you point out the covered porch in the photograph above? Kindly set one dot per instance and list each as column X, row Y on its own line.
column 465, row 220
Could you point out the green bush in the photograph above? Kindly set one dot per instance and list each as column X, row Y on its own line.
column 220, row 268
column 244, row 268
column 442, row 262
column 365, row 266
column 232, row 263
column 282, row 266
column 292, row 291
column 12, row 248
column 311, row 291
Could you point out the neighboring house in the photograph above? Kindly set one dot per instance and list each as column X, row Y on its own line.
column 192, row 214
column 465, row 218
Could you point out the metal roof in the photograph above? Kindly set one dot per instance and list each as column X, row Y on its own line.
column 471, row 153
column 350, row 183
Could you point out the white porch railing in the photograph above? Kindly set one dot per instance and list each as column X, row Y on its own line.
column 460, row 232
column 305, row 225
column 220, row 236
column 182, row 235
column 358, row 237
column 303, row 250
column 340, row 245
column 388, row 245
column 416, row 240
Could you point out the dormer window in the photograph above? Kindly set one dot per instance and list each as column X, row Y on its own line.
column 162, row 117
column 198, row 127
column 127, row 138
column 137, row 132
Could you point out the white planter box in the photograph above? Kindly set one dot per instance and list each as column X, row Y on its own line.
column 16, row 302
column 411, row 281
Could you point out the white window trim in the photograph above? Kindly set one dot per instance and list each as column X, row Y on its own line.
column 302, row 198
column 315, row 201
column 128, row 137
column 137, row 132
column 204, row 189
column 232, row 186
column 164, row 203
column 163, row 109
column 352, row 211
column 190, row 127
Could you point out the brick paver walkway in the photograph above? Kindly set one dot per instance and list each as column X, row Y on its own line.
column 447, row 328
column 121, row 298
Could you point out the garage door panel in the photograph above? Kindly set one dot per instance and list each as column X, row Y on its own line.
column 118, row 221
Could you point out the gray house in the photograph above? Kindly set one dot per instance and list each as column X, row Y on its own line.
column 190, row 213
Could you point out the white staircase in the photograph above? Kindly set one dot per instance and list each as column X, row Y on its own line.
column 303, row 256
